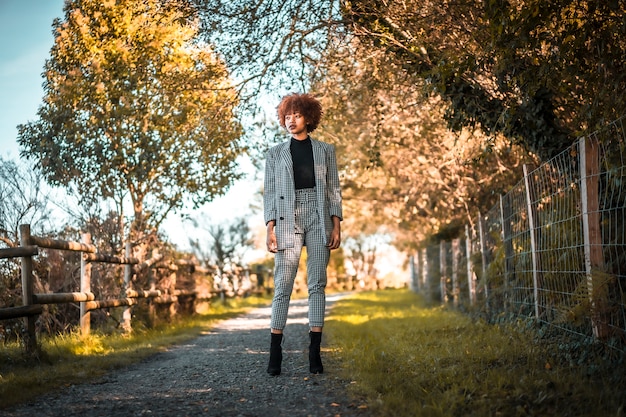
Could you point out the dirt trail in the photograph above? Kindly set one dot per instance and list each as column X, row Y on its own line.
column 221, row 373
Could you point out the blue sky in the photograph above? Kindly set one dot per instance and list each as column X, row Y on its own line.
column 25, row 42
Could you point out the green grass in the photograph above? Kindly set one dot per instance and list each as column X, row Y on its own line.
column 400, row 356
column 404, row 358
column 71, row 358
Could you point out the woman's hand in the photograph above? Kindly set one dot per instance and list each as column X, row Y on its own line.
column 335, row 236
column 270, row 241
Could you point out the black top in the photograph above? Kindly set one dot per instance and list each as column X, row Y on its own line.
column 302, row 157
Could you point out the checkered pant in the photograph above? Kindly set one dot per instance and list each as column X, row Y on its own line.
column 309, row 233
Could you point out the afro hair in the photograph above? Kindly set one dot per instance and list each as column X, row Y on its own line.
column 305, row 104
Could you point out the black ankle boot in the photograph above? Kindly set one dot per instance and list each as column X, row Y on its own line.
column 315, row 360
column 276, row 354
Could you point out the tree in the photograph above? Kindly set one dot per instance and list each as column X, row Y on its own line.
column 362, row 251
column 538, row 72
column 404, row 172
column 270, row 46
column 23, row 200
column 135, row 107
column 224, row 250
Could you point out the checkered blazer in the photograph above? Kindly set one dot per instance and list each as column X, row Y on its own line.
column 279, row 196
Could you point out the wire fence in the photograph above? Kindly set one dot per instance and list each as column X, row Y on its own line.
column 553, row 249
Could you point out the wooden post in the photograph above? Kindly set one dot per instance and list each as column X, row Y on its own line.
column 505, row 213
column 533, row 241
column 483, row 256
column 471, row 277
column 424, row 265
column 85, row 286
column 172, row 290
column 412, row 274
column 592, row 235
column 418, row 271
column 152, row 312
column 443, row 277
column 128, row 271
column 456, row 254
column 30, row 342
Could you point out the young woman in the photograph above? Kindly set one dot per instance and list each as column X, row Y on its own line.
column 302, row 207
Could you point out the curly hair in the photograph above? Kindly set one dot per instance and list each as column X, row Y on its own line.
column 305, row 104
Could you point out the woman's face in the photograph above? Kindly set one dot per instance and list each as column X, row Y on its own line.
column 295, row 124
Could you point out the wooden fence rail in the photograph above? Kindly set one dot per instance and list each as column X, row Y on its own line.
column 33, row 303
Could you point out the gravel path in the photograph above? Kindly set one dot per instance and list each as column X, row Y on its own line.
column 221, row 373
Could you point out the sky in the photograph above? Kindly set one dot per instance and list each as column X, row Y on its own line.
column 25, row 42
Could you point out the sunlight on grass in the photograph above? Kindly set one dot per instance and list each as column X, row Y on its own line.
column 82, row 346
column 404, row 358
column 72, row 358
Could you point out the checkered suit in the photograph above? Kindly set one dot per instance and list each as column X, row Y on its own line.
column 279, row 195
column 305, row 220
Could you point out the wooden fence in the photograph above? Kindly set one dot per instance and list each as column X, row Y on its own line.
column 32, row 304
